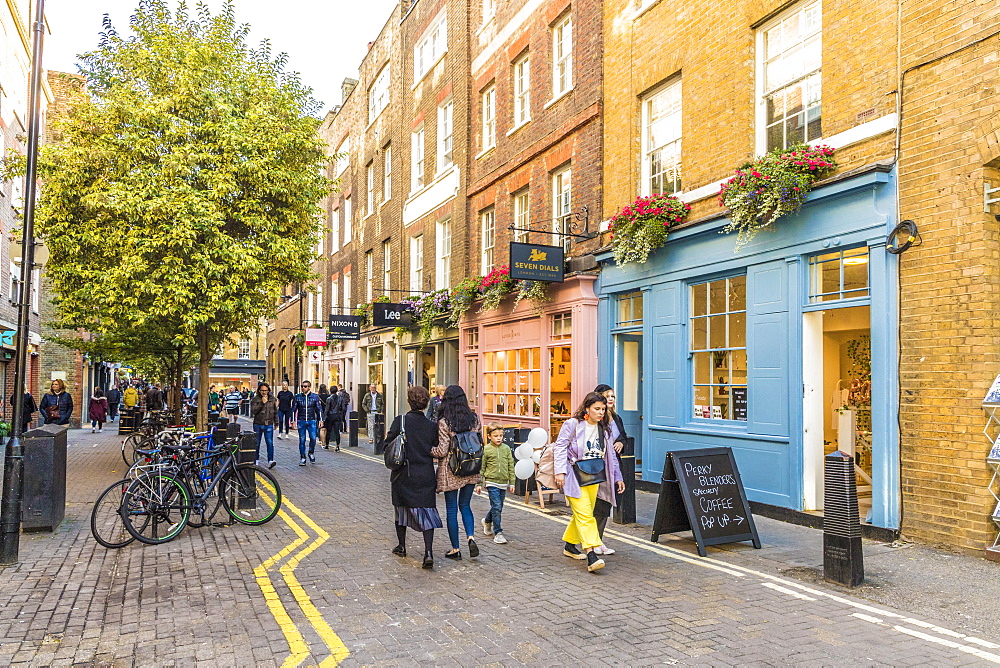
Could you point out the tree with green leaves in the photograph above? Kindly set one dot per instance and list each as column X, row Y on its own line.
column 183, row 185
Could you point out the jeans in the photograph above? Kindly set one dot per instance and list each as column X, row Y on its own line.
column 497, row 495
column 453, row 500
column 265, row 432
column 371, row 427
column 284, row 419
column 303, row 427
column 96, row 424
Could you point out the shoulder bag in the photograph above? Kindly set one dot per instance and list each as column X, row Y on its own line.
column 591, row 471
column 395, row 453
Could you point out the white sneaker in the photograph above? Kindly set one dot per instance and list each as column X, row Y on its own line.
column 487, row 528
column 499, row 540
column 93, row 430
column 603, row 549
column 100, row 431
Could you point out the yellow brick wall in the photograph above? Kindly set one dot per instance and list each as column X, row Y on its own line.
column 950, row 284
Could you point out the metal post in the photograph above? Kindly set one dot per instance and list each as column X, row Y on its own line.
column 843, row 556
column 13, row 472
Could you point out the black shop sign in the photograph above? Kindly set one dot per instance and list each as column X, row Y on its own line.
column 344, row 327
column 531, row 262
column 391, row 315
column 701, row 492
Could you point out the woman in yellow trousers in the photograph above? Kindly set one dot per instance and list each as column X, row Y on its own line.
column 585, row 436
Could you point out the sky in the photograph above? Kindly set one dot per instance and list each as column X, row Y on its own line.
column 325, row 39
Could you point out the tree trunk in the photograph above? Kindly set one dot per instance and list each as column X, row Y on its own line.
column 178, row 379
column 204, row 358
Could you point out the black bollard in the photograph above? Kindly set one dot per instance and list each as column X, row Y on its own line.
column 843, row 558
column 246, row 494
column 379, row 436
column 352, row 429
column 625, row 507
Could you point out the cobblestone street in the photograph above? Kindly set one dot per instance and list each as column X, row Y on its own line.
column 318, row 585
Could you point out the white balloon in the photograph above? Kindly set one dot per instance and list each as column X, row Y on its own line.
column 536, row 456
column 522, row 451
column 524, row 469
column 538, row 437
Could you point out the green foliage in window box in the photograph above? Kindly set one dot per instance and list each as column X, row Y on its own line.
column 642, row 226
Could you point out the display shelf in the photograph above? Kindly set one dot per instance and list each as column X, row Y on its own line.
column 992, row 433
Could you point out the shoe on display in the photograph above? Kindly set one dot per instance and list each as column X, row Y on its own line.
column 573, row 552
column 487, row 528
column 302, row 462
column 271, row 464
column 594, row 562
column 499, row 540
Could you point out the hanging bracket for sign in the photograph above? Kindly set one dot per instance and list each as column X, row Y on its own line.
column 575, row 225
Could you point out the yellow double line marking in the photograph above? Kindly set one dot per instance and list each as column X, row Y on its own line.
column 296, row 643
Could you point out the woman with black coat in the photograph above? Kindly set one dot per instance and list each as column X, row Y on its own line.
column 414, row 485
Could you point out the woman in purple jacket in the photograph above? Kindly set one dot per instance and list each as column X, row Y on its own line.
column 586, row 435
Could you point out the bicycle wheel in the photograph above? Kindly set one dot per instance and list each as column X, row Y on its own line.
column 250, row 494
column 129, row 445
column 106, row 520
column 156, row 508
column 204, row 508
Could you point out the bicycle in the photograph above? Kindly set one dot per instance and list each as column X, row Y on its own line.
column 157, row 506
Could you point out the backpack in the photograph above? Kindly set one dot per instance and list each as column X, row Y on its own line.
column 465, row 457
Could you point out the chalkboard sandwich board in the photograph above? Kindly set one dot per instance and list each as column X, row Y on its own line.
column 701, row 492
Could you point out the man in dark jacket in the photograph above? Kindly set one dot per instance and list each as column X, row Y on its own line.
column 373, row 404
column 334, row 417
column 308, row 412
column 154, row 399
column 114, row 397
column 285, row 399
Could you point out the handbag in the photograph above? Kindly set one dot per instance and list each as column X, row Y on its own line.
column 395, row 453
column 52, row 412
column 590, row 471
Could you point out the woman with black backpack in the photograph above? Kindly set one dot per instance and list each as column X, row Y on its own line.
column 458, row 472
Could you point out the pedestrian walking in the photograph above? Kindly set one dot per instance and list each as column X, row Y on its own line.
column 346, row 405
column 434, row 407
column 413, row 485
column 323, row 393
column 456, row 417
column 584, row 437
column 498, row 478
column 308, row 412
column 232, row 402
column 332, row 417
column 114, row 397
column 28, row 410
column 154, row 399
column 605, row 495
column 373, row 404
column 285, row 399
column 97, row 411
column 56, row 405
column 130, row 397
column 264, row 410
column 214, row 400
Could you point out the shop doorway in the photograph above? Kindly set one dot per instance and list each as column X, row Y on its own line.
column 628, row 387
column 837, row 411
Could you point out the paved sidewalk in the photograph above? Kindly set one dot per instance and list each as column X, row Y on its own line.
column 318, row 585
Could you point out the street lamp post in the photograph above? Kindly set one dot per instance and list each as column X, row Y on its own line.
column 13, row 470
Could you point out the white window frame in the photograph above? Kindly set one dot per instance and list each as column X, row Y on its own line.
column 243, row 349
column 378, row 93
column 386, row 173
column 489, row 100
column 489, row 10
column 344, row 156
column 488, row 237
column 334, row 295
column 442, row 277
column 348, row 223
column 668, row 137
column 13, row 286
column 347, row 290
column 562, row 203
column 521, row 85
column 562, row 56
column 811, row 76
column 387, row 266
column 445, row 135
column 369, row 278
column 417, row 160
column 370, row 188
column 430, row 48
column 417, row 264
column 335, row 230
column 522, row 212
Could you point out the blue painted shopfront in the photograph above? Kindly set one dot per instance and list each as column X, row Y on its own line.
column 769, row 421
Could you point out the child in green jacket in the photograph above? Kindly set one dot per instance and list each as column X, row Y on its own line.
column 498, row 478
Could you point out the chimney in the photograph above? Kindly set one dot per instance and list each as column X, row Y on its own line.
column 346, row 86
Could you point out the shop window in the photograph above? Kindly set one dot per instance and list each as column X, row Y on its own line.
column 562, row 326
column 472, row 371
column 560, row 387
column 839, row 275
column 375, row 365
column 719, row 349
column 630, row 309
column 472, row 339
column 512, row 382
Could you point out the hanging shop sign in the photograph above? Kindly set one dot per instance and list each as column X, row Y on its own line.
column 391, row 315
column 344, row 327
column 701, row 492
column 530, row 262
column 7, row 337
column 315, row 337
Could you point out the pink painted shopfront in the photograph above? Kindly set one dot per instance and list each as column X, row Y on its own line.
column 522, row 368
